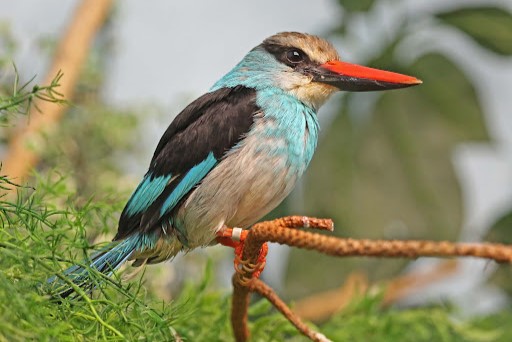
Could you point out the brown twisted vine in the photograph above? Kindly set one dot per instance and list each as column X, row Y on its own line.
column 283, row 232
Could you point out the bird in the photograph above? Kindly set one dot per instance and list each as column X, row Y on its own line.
column 233, row 154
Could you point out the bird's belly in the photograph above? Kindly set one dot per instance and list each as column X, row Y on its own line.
column 267, row 184
column 246, row 185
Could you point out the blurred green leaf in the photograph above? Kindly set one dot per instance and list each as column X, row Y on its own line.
column 351, row 8
column 490, row 27
column 501, row 232
column 444, row 85
column 365, row 320
column 356, row 5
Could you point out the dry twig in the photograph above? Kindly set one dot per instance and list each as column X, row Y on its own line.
column 281, row 231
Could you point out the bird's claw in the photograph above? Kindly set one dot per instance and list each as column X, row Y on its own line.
column 244, row 266
column 235, row 237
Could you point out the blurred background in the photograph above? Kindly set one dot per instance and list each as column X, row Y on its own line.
column 431, row 162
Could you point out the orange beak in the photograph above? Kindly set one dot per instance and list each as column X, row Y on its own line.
column 353, row 77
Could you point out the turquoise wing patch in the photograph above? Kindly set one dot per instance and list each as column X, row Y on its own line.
column 146, row 193
column 191, row 179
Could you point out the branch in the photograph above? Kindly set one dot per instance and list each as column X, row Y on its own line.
column 281, row 231
column 243, row 283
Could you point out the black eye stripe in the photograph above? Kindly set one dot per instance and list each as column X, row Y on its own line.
column 287, row 55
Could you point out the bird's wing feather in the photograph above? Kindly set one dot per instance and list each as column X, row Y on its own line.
column 193, row 144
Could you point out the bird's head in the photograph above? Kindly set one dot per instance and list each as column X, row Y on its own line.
column 309, row 68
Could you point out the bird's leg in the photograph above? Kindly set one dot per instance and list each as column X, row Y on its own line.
column 235, row 237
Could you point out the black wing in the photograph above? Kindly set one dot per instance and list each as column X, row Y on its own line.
column 193, row 144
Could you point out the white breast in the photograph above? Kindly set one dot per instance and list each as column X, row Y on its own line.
column 247, row 184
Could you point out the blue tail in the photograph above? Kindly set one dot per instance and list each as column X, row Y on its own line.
column 106, row 262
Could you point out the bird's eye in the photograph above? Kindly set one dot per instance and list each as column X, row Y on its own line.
column 295, row 56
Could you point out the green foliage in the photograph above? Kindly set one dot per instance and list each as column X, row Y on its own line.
column 93, row 139
column 356, row 5
column 491, row 27
column 365, row 320
column 7, row 45
column 43, row 232
column 21, row 97
column 501, row 232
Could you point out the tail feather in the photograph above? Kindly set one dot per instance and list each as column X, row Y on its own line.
column 106, row 262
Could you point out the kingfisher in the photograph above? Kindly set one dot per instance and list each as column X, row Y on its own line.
column 233, row 154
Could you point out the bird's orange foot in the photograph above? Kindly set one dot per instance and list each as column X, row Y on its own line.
column 235, row 237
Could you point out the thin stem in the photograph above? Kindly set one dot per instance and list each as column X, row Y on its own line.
column 267, row 292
